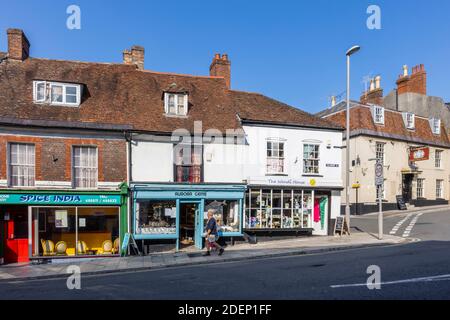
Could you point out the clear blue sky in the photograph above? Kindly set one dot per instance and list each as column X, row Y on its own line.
column 293, row 51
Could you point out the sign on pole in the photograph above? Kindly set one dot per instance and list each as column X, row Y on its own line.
column 379, row 176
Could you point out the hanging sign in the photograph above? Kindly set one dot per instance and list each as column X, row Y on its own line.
column 419, row 154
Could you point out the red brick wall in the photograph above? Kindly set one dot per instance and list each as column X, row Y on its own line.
column 54, row 157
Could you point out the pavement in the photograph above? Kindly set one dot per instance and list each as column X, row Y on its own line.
column 238, row 252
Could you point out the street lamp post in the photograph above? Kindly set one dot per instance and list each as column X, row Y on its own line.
column 350, row 52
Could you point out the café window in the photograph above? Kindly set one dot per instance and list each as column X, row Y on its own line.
column 188, row 163
column 156, row 217
column 85, row 167
column 275, row 157
column 226, row 213
column 311, row 158
column 72, row 231
column 21, row 165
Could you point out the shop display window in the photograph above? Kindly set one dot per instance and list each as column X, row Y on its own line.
column 226, row 214
column 156, row 217
column 278, row 209
column 71, row 231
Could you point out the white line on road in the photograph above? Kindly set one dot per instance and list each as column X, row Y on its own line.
column 399, row 224
column 411, row 225
column 444, row 277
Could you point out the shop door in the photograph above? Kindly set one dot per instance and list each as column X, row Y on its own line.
column 199, row 226
column 16, row 236
column 407, row 187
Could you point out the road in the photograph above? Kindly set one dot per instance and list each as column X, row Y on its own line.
column 419, row 270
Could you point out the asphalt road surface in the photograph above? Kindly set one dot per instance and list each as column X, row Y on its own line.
column 418, row 270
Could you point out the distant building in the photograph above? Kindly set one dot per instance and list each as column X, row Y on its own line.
column 407, row 130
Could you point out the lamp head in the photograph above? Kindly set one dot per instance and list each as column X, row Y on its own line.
column 353, row 50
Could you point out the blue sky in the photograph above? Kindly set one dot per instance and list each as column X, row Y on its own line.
column 293, row 51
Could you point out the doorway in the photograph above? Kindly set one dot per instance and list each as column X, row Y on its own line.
column 191, row 225
column 407, row 187
column 15, row 234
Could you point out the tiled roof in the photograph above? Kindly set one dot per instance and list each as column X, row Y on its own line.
column 121, row 95
column 361, row 122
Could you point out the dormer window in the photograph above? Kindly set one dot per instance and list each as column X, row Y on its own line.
column 435, row 125
column 378, row 114
column 56, row 93
column 409, row 120
column 176, row 104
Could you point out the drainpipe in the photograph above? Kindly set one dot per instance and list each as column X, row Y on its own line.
column 129, row 139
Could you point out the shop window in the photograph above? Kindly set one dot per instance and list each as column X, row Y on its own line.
column 188, row 164
column 226, row 214
column 311, row 158
column 156, row 217
column 85, row 167
column 21, row 165
column 69, row 231
column 275, row 157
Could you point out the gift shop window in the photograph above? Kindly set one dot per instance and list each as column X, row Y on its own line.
column 156, row 217
column 75, row 231
column 278, row 209
column 188, row 164
column 226, row 214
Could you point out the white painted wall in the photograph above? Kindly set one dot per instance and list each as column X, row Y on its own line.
column 152, row 161
column 330, row 154
column 224, row 163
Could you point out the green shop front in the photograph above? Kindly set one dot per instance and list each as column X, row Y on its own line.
column 177, row 213
column 61, row 224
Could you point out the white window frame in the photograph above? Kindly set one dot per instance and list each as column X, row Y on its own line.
column 89, row 172
column 30, row 152
column 410, row 120
column 177, row 105
column 435, row 125
column 381, row 151
column 278, row 158
column 305, row 160
column 439, row 189
column 378, row 114
column 438, row 159
column 48, row 93
column 420, row 188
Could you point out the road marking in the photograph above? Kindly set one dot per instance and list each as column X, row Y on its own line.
column 444, row 277
column 409, row 228
column 399, row 224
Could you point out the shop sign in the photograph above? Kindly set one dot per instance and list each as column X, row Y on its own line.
column 59, row 199
column 420, row 154
column 191, row 194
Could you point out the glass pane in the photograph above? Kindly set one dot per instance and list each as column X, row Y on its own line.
column 226, row 214
column 57, row 94
column 71, row 99
column 40, row 94
column 156, row 217
column 276, row 198
column 57, row 231
column 98, row 230
column 71, row 90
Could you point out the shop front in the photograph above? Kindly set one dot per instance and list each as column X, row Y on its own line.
column 178, row 212
column 289, row 205
column 57, row 224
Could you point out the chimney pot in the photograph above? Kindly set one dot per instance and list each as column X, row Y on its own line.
column 377, row 82
column 333, row 101
column 221, row 67
column 18, row 45
column 405, row 70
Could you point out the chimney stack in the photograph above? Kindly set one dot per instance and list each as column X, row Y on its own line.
column 18, row 45
column 134, row 56
column 414, row 83
column 375, row 93
column 221, row 67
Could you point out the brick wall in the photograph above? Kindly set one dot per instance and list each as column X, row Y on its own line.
column 54, row 157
